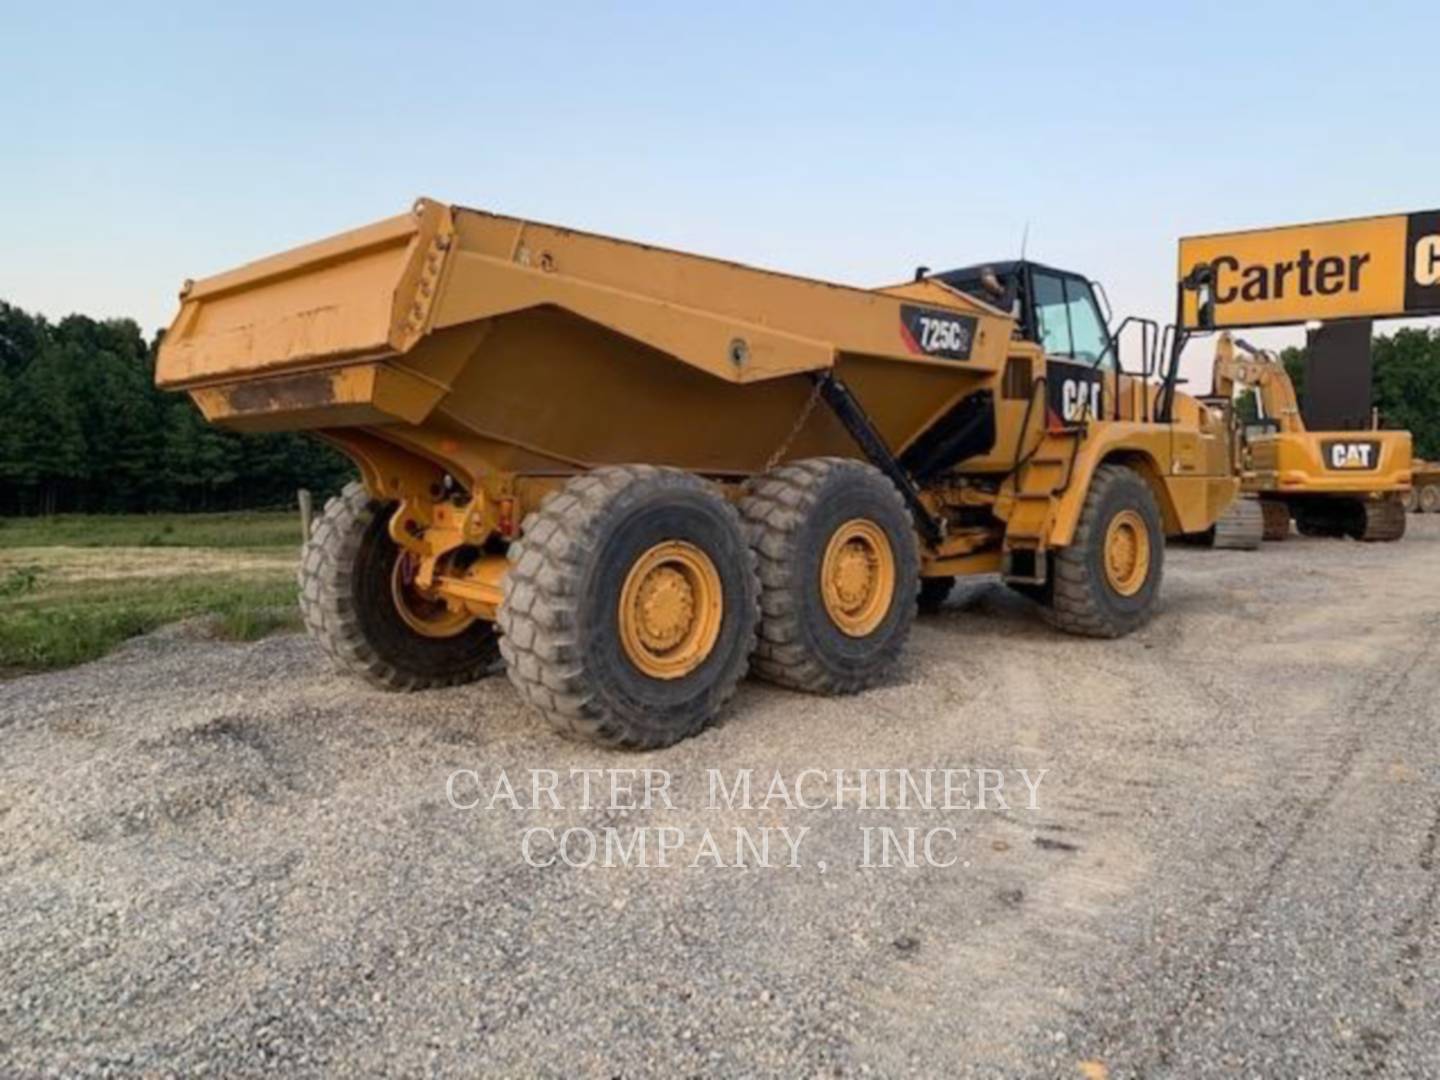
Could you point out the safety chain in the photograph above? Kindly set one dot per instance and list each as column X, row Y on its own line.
column 805, row 412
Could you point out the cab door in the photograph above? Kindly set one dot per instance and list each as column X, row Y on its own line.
column 1079, row 363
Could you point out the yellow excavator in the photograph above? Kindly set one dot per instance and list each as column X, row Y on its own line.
column 1332, row 483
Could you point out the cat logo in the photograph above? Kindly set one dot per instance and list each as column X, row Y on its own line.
column 1079, row 400
column 1074, row 393
column 1352, row 455
column 1427, row 261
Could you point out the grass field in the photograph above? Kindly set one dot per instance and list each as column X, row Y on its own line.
column 72, row 587
column 248, row 530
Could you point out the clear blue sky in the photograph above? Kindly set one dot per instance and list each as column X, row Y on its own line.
column 146, row 143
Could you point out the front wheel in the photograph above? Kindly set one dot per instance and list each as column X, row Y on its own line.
column 1106, row 581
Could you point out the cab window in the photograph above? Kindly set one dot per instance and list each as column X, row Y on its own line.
column 1068, row 320
column 1052, row 322
column 1087, row 329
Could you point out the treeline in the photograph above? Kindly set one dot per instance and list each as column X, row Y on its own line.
column 83, row 429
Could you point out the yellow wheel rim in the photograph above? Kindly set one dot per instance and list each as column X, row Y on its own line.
column 428, row 616
column 857, row 577
column 671, row 606
column 1127, row 552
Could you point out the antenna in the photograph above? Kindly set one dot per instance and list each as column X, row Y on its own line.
column 1024, row 239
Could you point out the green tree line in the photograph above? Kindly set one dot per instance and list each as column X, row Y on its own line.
column 1404, row 387
column 83, row 429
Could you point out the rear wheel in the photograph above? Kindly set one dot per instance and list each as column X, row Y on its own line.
column 839, row 574
column 1412, row 501
column 630, row 607
column 359, row 601
column 1105, row 582
column 1430, row 499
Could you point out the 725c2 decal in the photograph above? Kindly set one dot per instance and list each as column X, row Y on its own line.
column 936, row 332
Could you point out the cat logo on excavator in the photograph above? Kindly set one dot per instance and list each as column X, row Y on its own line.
column 1352, row 455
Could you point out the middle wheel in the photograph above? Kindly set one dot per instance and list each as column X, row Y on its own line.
column 630, row 606
column 839, row 573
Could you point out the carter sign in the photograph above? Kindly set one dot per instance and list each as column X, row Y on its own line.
column 1372, row 268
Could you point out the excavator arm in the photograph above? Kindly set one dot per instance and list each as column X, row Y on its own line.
column 1239, row 364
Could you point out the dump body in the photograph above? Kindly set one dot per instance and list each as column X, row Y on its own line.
column 520, row 347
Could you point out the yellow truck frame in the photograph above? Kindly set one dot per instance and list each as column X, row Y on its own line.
column 636, row 473
column 1424, row 494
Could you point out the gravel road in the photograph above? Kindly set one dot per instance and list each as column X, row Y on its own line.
column 223, row 858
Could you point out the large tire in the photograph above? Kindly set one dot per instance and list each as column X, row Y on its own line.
column 1429, row 499
column 843, row 515
column 349, row 606
column 571, row 651
column 1411, row 499
column 1087, row 597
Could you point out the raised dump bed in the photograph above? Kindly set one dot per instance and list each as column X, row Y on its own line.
column 535, row 347
column 638, row 473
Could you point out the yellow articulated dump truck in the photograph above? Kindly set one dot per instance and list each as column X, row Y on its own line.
column 636, row 474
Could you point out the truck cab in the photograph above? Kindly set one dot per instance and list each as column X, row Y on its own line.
column 1056, row 309
column 1060, row 312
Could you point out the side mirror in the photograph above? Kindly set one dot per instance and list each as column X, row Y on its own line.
column 1201, row 281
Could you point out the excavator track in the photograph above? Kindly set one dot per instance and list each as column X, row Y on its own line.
column 1276, row 517
column 1384, row 521
column 1242, row 527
